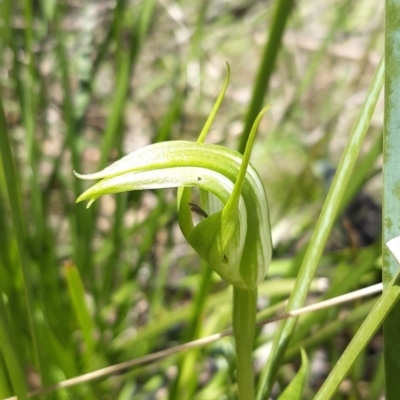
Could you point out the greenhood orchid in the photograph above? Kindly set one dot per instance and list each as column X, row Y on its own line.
column 235, row 240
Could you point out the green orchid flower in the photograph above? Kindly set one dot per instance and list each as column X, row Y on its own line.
column 235, row 241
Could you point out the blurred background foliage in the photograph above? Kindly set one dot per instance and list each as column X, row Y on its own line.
column 83, row 83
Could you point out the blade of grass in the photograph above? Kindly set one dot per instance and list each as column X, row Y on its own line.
column 156, row 327
column 364, row 263
column 59, row 354
column 260, row 87
column 126, row 62
column 362, row 172
column 11, row 356
column 316, row 61
column 173, row 114
column 330, row 330
column 108, row 285
column 77, row 294
column 85, row 92
column 375, row 318
column 378, row 383
column 103, row 372
column 24, row 75
column 186, row 382
column 391, row 191
column 86, row 89
column 17, row 218
column 294, row 391
column 194, row 66
column 5, row 385
column 80, row 221
column 5, row 28
column 322, row 230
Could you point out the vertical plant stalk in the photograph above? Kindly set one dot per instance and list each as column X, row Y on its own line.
column 391, row 191
column 243, row 324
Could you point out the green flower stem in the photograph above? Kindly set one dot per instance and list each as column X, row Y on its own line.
column 244, row 322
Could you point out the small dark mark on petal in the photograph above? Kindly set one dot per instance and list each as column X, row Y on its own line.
column 198, row 210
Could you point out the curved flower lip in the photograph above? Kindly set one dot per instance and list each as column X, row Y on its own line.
column 160, row 178
column 167, row 155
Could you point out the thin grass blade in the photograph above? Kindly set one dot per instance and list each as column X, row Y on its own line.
column 374, row 320
column 322, row 230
